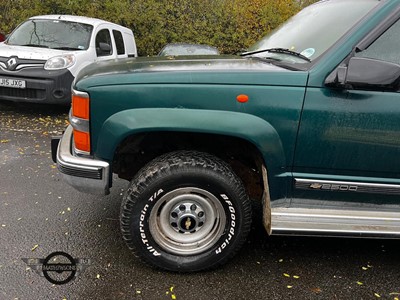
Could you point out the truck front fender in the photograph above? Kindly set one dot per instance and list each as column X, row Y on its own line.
column 240, row 125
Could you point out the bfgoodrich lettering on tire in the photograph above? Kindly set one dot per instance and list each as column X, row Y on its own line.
column 185, row 211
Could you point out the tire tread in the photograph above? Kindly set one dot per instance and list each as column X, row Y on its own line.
column 164, row 165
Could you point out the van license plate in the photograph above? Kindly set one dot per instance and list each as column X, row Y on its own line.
column 13, row 83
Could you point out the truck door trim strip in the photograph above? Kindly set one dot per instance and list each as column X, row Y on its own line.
column 347, row 186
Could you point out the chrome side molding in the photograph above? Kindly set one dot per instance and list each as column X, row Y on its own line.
column 329, row 222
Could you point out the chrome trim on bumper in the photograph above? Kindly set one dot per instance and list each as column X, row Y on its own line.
column 84, row 174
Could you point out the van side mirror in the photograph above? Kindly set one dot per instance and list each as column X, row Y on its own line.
column 366, row 73
column 103, row 49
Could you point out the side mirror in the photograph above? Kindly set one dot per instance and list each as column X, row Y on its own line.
column 103, row 49
column 366, row 73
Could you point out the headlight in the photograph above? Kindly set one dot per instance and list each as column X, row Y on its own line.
column 60, row 62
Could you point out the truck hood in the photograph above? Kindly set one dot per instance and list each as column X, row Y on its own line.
column 25, row 52
column 190, row 70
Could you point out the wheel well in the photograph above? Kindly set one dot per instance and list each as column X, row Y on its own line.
column 244, row 158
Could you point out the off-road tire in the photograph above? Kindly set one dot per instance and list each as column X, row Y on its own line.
column 185, row 211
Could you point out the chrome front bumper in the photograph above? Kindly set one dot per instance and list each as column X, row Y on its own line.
column 84, row 174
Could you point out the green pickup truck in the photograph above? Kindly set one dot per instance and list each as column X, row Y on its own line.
column 307, row 122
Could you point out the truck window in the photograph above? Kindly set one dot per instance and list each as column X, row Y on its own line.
column 315, row 29
column 386, row 47
column 119, row 42
column 103, row 43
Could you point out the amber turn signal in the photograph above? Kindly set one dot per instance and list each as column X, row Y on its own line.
column 80, row 107
column 82, row 140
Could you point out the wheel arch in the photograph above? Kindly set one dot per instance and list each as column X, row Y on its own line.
column 249, row 144
column 135, row 123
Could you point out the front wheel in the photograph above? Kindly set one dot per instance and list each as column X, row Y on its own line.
column 185, row 211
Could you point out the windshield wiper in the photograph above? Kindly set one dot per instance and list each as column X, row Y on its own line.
column 35, row 45
column 277, row 50
column 66, row 48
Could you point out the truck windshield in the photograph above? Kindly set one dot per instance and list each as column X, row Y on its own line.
column 311, row 32
column 54, row 34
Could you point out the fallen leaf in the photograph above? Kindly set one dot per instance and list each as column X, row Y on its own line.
column 34, row 247
column 171, row 292
column 286, row 275
column 289, row 286
column 296, row 276
column 359, row 283
column 377, row 295
column 316, row 290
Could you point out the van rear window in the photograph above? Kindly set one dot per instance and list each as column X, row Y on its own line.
column 119, row 42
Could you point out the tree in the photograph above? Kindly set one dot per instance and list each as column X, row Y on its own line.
column 230, row 25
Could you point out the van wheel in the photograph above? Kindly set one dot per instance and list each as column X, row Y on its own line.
column 185, row 211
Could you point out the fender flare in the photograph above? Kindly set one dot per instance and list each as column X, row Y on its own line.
column 248, row 127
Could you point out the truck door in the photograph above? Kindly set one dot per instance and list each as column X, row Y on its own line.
column 348, row 149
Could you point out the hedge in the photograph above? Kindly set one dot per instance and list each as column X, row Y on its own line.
column 229, row 25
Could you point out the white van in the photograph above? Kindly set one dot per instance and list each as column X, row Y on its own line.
column 43, row 55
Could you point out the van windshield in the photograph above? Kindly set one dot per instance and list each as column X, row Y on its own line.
column 54, row 34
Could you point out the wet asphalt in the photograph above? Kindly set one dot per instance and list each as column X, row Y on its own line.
column 40, row 214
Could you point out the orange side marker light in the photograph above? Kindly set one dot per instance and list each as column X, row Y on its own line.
column 242, row 98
